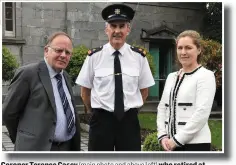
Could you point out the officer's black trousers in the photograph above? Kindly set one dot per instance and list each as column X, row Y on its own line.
column 106, row 133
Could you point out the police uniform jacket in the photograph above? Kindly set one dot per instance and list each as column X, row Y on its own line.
column 185, row 107
column 97, row 74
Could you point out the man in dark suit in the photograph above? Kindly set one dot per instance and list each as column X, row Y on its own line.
column 39, row 110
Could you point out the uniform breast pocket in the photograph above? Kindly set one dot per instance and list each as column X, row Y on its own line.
column 103, row 79
column 130, row 79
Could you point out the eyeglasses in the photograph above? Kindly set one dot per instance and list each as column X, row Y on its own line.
column 61, row 50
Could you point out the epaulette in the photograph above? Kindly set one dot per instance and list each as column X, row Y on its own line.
column 94, row 50
column 139, row 50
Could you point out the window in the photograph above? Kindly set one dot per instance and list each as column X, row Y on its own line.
column 9, row 17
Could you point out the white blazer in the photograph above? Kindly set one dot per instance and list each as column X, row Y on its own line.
column 185, row 107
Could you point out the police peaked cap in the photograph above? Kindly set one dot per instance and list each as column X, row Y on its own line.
column 117, row 12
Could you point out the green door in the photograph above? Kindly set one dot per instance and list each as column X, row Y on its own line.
column 154, row 90
column 162, row 57
column 169, row 61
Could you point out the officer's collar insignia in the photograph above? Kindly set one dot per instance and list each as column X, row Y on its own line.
column 94, row 50
column 117, row 11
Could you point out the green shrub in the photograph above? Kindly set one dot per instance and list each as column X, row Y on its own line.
column 212, row 58
column 149, row 58
column 9, row 64
column 80, row 52
column 151, row 143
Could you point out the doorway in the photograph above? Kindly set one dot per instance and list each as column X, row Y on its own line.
column 162, row 55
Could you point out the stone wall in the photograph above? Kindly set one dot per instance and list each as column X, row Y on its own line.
column 83, row 22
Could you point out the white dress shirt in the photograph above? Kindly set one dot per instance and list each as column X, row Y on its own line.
column 97, row 74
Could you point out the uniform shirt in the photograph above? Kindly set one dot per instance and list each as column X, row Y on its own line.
column 60, row 134
column 97, row 74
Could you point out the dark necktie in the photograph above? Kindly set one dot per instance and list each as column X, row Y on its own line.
column 119, row 101
column 65, row 103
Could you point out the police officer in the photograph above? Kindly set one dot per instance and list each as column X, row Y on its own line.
column 115, row 78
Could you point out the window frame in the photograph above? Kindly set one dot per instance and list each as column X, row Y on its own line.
column 10, row 34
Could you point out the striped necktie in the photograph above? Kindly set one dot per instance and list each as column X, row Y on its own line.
column 119, row 100
column 65, row 103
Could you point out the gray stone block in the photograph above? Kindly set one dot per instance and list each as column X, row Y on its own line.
column 85, row 42
column 32, row 51
column 95, row 18
column 18, row 21
column 33, row 22
column 53, row 6
column 28, row 5
column 57, row 23
column 100, row 5
column 78, row 6
column 88, row 34
column 97, row 43
column 102, row 35
column 76, row 33
column 28, row 12
column 26, row 30
column 96, row 8
column 58, row 14
column 34, row 41
column 18, row 32
column 145, row 8
column 139, row 24
column 18, row 4
column 32, row 58
column 80, row 24
column 18, row 12
column 78, row 16
column 97, row 25
column 37, row 31
column 44, row 14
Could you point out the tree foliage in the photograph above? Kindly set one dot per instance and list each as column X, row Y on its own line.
column 9, row 64
column 80, row 52
column 212, row 58
column 212, row 27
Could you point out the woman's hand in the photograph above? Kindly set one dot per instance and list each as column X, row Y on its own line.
column 171, row 144
column 164, row 143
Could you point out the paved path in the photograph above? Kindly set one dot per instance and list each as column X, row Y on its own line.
column 7, row 145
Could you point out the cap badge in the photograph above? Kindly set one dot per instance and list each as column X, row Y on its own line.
column 117, row 11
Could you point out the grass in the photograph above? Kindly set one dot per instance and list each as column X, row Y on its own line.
column 216, row 132
column 148, row 121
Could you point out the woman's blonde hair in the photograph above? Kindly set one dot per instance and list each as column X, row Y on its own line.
column 197, row 39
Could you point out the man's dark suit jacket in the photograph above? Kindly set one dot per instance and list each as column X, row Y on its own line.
column 29, row 110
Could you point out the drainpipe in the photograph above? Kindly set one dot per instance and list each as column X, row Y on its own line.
column 21, row 47
column 65, row 20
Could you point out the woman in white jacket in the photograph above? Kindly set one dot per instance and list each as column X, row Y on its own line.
column 186, row 102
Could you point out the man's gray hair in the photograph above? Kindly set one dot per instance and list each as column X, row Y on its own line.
column 128, row 23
